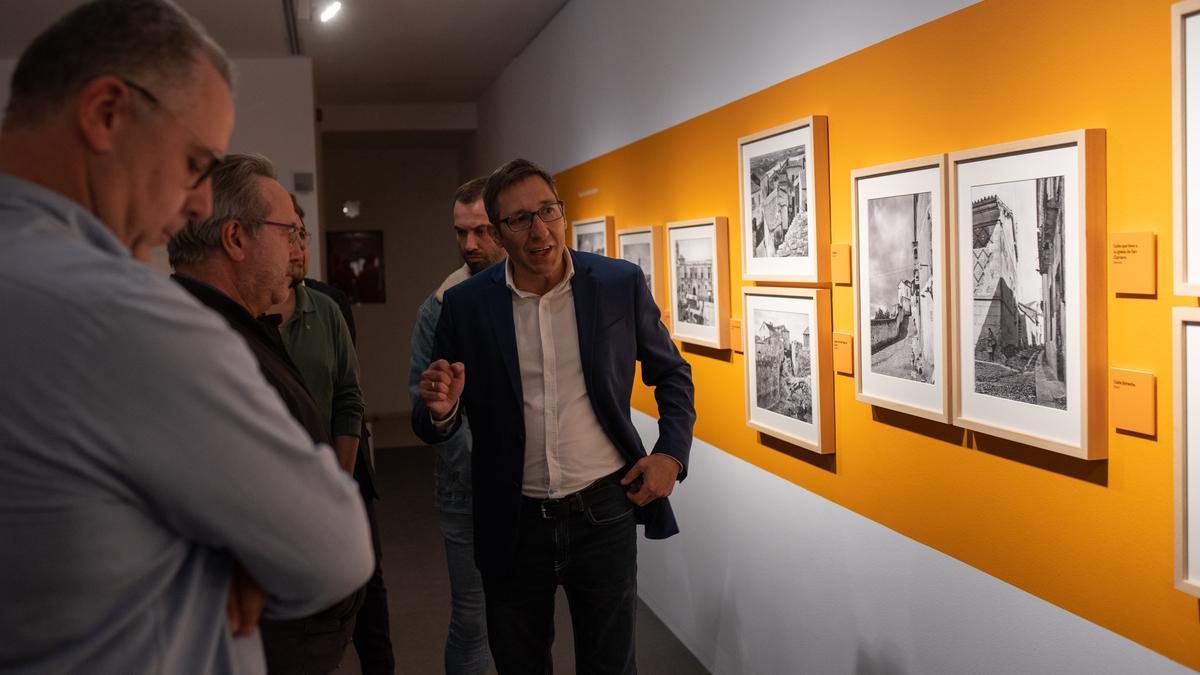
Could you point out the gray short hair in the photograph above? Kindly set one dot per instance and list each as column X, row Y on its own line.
column 236, row 196
column 152, row 42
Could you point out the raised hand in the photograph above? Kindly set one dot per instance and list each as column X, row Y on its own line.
column 441, row 386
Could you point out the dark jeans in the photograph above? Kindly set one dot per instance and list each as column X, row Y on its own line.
column 312, row 645
column 592, row 551
column 372, row 630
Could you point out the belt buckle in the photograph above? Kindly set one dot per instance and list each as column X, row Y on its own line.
column 544, row 504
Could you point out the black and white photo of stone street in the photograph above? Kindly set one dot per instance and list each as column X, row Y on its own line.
column 1019, row 301
column 782, row 363
column 591, row 242
column 694, row 273
column 779, row 203
column 638, row 253
column 904, row 323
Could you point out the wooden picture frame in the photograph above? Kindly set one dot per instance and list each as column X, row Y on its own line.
column 898, row 212
column 629, row 247
column 1037, row 376
column 783, row 175
column 698, row 287
column 786, row 331
column 1185, row 108
column 1185, row 332
column 585, row 234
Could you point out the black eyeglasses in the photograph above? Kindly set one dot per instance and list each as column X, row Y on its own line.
column 295, row 234
column 201, row 169
column 520, row 222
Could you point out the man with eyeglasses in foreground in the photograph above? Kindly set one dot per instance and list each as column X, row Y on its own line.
column 539, row 353
column 238, row 262
column 139, row 445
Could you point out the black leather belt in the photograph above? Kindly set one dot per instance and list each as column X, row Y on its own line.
column 575, row 502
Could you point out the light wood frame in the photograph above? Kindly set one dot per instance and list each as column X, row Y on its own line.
column 819, row 165
column 610, row 234
column 1182, row 317
column 657, row 248
column 943, row 258
column 1180, row 13
column 822, row 363
column 1093, row 390
column 720, row 291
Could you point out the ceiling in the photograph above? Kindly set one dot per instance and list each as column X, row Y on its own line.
column 373, row 52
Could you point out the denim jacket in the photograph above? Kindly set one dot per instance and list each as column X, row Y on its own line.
column 453, row 464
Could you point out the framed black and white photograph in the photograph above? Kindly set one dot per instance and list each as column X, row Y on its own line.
column 592, row 236
column 642, row 246
column 698, row 264
column 355, row 259
column 1028, row 367
column 1186, row 339
column 1185, row 71
column 789, row 371
column 900, row 287
column 784, row 190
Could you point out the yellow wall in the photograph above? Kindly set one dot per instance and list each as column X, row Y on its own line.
column 1093, row 538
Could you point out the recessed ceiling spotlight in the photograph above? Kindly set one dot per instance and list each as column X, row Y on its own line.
column 331, row 10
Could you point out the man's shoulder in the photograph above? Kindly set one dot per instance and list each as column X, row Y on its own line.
column 324, row 304
column 606, row 268
column 474, row 286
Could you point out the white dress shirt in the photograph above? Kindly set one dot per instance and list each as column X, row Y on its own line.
column 565, row 447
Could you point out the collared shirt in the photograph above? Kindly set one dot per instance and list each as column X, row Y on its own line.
column 565, row 447
column 141, row 455
column 319, row 343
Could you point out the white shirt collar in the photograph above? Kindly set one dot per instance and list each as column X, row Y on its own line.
column 566, row 280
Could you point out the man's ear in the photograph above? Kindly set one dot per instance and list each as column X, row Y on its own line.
column 102, row 111
column 234, row 239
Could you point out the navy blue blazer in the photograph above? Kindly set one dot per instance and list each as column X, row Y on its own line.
column 618, row 324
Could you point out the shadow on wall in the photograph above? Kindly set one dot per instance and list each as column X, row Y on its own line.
column 881, row 659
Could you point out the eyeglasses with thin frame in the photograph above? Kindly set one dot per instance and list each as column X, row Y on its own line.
column 296, row 235
column 548, row 213
column 202, row 170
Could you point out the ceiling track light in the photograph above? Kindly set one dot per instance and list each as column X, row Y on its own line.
column 331, row 10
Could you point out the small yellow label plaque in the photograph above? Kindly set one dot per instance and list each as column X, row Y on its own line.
column 840, row 254
column 843, row 353
column 1133, row 401
column 1134, row 263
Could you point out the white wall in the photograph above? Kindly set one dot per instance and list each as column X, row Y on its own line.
column 767, row 577
column 275, row 117
column 605, row 73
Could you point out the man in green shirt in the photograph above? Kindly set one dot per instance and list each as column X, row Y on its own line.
column 319, row 342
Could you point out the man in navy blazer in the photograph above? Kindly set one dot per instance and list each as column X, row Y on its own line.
column 540, row 350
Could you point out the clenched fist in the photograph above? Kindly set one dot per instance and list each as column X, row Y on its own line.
column 441, row 386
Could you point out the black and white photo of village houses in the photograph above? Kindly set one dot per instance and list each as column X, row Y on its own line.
column 1019, row 302
column 904, row 324
column 779, row 203
column 694, row 279
column 590, row 242
column 638, row 253
column 783, row 363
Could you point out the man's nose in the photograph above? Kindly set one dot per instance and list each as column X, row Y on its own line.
column 198, row 203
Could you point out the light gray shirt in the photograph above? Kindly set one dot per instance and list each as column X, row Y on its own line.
column 141, row 455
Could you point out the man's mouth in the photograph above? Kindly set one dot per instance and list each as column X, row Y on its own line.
column 540, row 252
